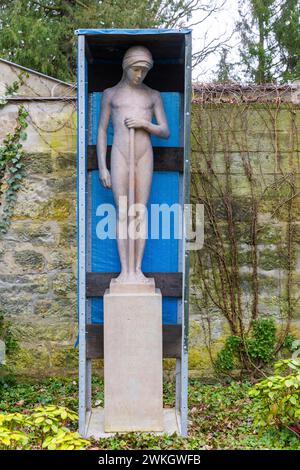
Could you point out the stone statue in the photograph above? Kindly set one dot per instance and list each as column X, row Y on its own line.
column 132, row 105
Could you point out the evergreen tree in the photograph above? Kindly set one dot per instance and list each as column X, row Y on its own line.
column 286, row 30
column 39, row 34
column 269, row 31
column 224, row 71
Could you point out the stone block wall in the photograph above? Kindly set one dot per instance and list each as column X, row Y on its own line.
column 38, row 254
column 245, row 161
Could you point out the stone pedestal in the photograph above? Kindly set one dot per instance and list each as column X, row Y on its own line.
column 133, row 362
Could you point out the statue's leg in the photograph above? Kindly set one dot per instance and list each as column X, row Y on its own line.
column 143, row 179
column 119, row 180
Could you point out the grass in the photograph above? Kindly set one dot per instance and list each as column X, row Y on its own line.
column 220, row 415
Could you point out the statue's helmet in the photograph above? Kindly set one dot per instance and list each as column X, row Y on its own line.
column 137, row 55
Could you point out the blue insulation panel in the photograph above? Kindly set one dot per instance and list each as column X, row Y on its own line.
column 171, row 103
column 161, row 255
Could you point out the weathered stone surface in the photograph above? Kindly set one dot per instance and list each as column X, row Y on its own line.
column 30, row 260
column 64, row 283
column 276, row 258
column 45, row 329
column 68, row 234
column 33, row 194
column 62, row 260
column 270, row 233
column 37, row 233
column 61, row 183
column 261, row 163
column 13, row 305
column 56, row 308
column 57, row 208
column 34, row 283
column 65, row 161
column 38, row 254
column 39, row 163
column 45, row 360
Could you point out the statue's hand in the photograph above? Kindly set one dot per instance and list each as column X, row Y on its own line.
column 105, row 178
column 132, row 123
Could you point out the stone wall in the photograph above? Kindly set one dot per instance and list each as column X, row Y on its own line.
column 38, row 254
column 245, row 159
column 34, row 84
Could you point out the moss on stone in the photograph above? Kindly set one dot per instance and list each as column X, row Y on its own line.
column 57, row 208
column 245, row 258
column 41, row 361
column 65, row 358
column 33, row 232
column 39, row 163
column 45, row 335
column 59, row 307
column 64, row 283
column 270, row 233
column 61, row 260
column 273, row 259
column 30, row 260
column 61, row 183
column 68, row 234
column 265, row 283
column 169, row 365
column 12, row 285
column 65, row 161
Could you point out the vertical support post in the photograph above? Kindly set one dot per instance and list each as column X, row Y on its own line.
column 180, row 301
column 81, row 224
column 89, row 112
column 88, row 301
column 186, row 261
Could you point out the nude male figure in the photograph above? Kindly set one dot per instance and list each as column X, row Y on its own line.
column 131, row 104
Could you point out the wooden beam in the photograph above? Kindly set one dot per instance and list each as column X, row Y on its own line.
column 171, row 341
column 170, row 284
column 164, row 158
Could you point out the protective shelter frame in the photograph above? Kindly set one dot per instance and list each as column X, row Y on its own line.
column 89, row 284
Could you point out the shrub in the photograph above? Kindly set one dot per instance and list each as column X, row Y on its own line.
column 42, row 428
column 277, row 398
column 257, row 349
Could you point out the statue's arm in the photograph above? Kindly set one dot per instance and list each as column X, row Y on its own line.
column 102, row 138
column 161, row 129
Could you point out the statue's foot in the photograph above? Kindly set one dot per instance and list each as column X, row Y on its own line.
column 136, row 278
column 140, row 277
column 123, row 277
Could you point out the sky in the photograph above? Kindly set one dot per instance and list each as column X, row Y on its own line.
column 220, row 24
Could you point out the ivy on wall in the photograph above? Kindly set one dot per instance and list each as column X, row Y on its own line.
column 12, row 170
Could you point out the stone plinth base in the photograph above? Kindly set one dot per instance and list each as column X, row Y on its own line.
column 134, row 288
column 95, row 424
column 133, row 362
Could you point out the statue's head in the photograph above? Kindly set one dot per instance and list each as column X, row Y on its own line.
column 137, row 61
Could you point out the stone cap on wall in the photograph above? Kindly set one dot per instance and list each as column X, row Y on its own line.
column 36, row 84
column 237, row 93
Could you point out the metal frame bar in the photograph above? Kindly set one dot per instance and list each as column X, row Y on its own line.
column 88, row 301
column 180, row 269
column 81, row 227
column 179, row 311
column 186, row 260
column 89, row 252
column 84, row 248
